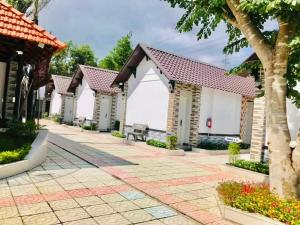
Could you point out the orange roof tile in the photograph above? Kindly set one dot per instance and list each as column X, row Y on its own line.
column 15, row 24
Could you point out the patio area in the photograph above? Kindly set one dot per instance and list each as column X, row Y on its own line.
column 91, row 178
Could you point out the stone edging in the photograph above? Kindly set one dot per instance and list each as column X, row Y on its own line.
column 245, row 218
column 36, row 156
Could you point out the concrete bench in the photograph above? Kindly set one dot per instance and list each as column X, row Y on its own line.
column 139, row 130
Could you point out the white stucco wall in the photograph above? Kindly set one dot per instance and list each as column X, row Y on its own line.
column 148, row 97
column 56, row 102
column 85, row 101
column 293, row 117
column 223, row 108
column 2, row 84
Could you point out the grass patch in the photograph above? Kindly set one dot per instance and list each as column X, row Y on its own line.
column 156, row 143
column 257, row 198
column 118, row 134
column 252, row 166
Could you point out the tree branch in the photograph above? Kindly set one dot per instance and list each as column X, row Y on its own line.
column 254, row 36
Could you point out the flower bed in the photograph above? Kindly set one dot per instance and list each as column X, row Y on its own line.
column 252, row 166
column 257, row 198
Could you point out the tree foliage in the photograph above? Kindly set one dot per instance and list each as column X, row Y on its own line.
column 116, row 59
column 207, row 15
column 66, row 62
column 21, row 5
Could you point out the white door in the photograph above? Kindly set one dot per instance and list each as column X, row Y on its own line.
column 184, row 117
column 249, row 122
column 69, row 106
column 105, row 113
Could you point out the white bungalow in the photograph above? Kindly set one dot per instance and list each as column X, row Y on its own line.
column 95, row 100
column 62, row 101
column 192, row 99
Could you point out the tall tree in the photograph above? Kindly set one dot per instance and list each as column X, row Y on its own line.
column 81, row 55
column 118, row 56
column 245, row 25
column 21, row 5
column 66, row 62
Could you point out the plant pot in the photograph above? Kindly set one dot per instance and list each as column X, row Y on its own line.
column 175, row 152
column 245, row 218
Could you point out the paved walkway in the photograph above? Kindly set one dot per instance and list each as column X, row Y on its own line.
column 133, row 185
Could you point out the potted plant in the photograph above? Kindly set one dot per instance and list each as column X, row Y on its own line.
column 171, row 144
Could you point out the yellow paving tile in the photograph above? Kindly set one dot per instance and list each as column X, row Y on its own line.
column 41, row 219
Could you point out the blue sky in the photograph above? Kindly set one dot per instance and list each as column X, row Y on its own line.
column 100, row 23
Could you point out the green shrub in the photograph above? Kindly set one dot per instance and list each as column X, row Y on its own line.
column 218, row 145
column 257, row 198
column 171, row 142
column 89, row 127
column 45, row 115
column 253, row 166
column 118, row 134
column 156, row 143
column 14, row 155
column 234, row 150
column 56, row 118
column 17, row 128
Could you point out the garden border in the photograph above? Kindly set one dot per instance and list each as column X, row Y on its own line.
column 259, row 177
column 245, row 218
column 36, row 156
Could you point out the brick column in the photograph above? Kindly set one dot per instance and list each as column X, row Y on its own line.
column 96, row 114
column 11, row 90
column 195, row 116
column 123, row 109
column 258, row 129
column 62, row 107
column 243, row 121
column 173, row 109
column 114, row 110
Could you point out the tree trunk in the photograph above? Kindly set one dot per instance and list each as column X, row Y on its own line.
column 283, row 177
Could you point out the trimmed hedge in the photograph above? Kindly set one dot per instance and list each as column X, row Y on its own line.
column 14, row 155
column 118, row 134
column 156, row 143
column 257, row 198
column 253, row 166
column 218, row 145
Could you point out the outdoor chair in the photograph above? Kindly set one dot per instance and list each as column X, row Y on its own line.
column 139, row 130
column 79, row 121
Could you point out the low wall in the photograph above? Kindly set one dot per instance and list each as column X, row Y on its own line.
column 36, row 156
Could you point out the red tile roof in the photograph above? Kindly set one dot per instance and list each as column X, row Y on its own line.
column 189, row 71
column 61, row 84
column 99, row 79
column 194, row 72
column 16, row 25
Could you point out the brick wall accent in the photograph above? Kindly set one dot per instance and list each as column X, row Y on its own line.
column 123, row 109
column 96, row 115
column 173, row 110
column 258, row 129
column 243, row 122
column 11, row 90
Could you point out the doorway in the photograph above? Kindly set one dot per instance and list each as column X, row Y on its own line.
column 68, row 113
column 184, row 117
column 105, row 113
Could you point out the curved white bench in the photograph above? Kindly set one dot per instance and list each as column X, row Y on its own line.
column 36, row 156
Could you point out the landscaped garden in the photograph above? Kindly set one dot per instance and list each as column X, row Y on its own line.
column 15, row 143
column 257, row 198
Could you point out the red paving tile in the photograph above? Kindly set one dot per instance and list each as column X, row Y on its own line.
column 154, row 192
column 4, row 202
column 28, row 199
column 203, row 216
column 169, row 199
column 185, row 207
